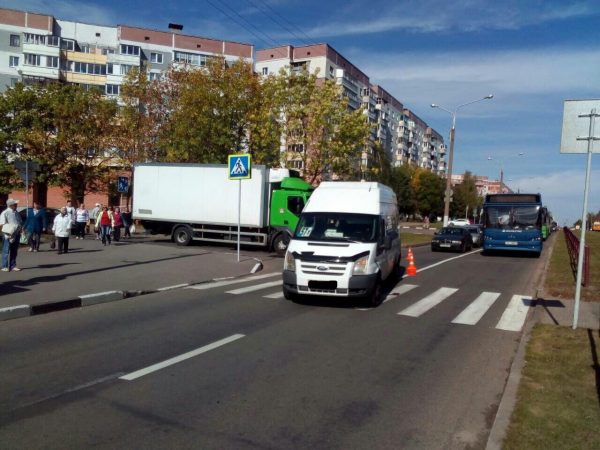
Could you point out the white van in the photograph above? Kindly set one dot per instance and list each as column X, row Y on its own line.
column 346, row 244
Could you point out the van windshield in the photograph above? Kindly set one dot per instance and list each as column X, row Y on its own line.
column 343, row 227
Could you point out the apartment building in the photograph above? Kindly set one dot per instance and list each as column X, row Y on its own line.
column 405, row 137
column 39, row 48
column 484, row 185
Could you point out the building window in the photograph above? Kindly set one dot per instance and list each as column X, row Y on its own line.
column 15, row 40
column 53, row 41
column 265, row 71
column 13, row 82
column 84, row 48
column 13, row 61
column 108, row 51
column 89, row 68
column 130, row 50
column 156, row 58
column 66, row 44
column 32, row 60
column 112, row 89
column 126, row 68
column 153, row 76
column 192, row 59
column 109, row 68
column 52, row 61
column 38, row 39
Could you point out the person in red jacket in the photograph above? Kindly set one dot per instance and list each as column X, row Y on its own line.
column 105, row 224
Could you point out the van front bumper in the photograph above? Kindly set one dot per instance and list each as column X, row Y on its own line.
column 357, row 285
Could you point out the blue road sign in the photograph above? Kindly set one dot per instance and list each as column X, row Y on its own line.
column 239, row 167
column 123, row 184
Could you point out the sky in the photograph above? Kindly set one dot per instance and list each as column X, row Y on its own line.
column 530, row 54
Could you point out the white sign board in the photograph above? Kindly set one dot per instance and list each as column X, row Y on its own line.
column 575, row 127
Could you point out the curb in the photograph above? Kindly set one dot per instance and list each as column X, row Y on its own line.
column 20, row 311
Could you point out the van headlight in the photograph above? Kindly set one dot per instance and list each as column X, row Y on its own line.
column 289, row 262
column 361, row 265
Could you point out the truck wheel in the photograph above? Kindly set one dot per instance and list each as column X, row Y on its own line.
column 280, row 244
column 182, row 236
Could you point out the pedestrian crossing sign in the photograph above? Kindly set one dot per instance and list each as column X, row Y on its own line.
column 239, row 167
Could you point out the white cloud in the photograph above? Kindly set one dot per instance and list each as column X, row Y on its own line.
column 427, row 16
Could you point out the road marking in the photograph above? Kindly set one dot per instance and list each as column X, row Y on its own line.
column 274, row 295
column 399, row 290
column 475, row 311
column 177, row 359
column 176, row 286
column 445, row 261
column 256, row 287
column 214, row 284
column 515, row 313
column 424, row 305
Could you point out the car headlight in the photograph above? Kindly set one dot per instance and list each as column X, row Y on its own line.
column 360, row 265
column 289, row 262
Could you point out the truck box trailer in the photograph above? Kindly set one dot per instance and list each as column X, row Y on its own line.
column 199, row 202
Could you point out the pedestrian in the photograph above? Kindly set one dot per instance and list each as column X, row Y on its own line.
column 117, row 224
column 71, row 214
column 104, row 224
column 12, row 224
column 62, row 230
column 426, row 222
column 82, row 220
column 94, row 218
column 35, row 224
column 127, row 222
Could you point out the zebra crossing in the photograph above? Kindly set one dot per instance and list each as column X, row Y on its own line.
column 512, row 319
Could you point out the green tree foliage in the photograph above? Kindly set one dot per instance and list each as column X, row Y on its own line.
column 319, row 128
column 465, row 196
column 429, row 192
column 400, row 182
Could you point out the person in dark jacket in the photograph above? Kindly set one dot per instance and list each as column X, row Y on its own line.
column 35, row 224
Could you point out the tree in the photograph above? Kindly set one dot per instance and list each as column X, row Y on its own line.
column 429, row 191
column 465, row 196
column 318, row 127
column 400, row 182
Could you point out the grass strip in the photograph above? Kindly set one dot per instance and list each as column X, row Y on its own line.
column 560, row 279
column 558, row 401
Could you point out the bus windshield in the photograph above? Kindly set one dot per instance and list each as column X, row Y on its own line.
column 513, row 217
column 337, row 227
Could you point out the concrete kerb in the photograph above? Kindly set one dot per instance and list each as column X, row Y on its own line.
column 20, row 311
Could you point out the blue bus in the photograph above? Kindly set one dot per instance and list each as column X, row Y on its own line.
column 513, row 222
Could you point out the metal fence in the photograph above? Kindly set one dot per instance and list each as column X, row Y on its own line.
column 573, row 248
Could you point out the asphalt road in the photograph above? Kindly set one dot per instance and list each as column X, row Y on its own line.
column 267, row 373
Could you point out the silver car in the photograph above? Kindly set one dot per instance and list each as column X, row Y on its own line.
column 477, row 235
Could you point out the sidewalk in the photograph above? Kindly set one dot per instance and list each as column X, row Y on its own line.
column 98, row 273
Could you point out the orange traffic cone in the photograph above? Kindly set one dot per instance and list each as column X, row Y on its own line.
column 411, row 270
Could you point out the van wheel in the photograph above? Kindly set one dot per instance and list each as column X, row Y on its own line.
column 280, row 244
column 375, row 298
column 182, row 236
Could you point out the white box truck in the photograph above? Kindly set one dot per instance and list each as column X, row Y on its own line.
column 346, row 243
column 199, row 202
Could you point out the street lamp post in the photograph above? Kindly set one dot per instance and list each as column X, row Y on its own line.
column 448, row 192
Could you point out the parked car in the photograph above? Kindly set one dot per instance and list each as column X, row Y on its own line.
column 459, row 223
column 476, row 235
column 452, row 238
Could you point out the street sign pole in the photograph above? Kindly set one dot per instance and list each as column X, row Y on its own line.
column 239, row 217
column 590, row 140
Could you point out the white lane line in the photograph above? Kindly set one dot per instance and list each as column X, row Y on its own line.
column 169, row 362
column 274, row 295
column 214, row 284
column 515, row 313
column 475, row 311
column 256, row 287
column 399, row 290
column 425, row 304
column 445, row 261
column 175, row 286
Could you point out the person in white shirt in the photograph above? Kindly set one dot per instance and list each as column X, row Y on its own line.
column 12, row 224
column 62, row 230
column 82, row 219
